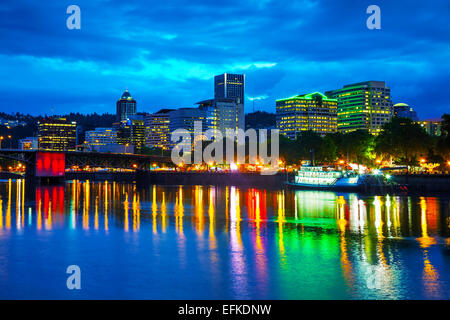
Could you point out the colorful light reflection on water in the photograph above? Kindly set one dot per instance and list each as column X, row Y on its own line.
column 205, row 242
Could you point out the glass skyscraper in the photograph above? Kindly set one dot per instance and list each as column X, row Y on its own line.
column 230, row 85
column 364, row 105
column 223, row 114
column 125, row 107
column 229, row 93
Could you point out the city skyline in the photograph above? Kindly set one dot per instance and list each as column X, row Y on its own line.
column 161, row 54
column 222, row 157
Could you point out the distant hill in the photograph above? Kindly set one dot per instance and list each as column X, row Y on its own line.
column 259, row 120
column 84, row 121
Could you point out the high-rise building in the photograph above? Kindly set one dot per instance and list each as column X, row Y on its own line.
column 223, row 114
column 184, row 118
column 230, row 86
column 57, row 134
column 364, row 105
column 131, row 131
column 314, row 111
column 125, row 107
column 157, row 129
column 404, row 111
column 226, row 110
column 101, row 137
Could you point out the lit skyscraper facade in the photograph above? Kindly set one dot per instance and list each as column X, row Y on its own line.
column 131, row 131
column 125, row 107
column 314, row 111
column 157, row 129
column 229, row 97
column 223, row 114
column 364, row 105
column 229, row 85
column 57, row 134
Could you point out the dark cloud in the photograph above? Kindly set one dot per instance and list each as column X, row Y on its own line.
column 166, row 52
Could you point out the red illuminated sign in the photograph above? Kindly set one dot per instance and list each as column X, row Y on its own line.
column 50, row 164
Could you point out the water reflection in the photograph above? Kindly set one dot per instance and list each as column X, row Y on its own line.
column 259, row 242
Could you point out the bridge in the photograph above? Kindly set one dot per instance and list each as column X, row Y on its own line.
column 53, row 164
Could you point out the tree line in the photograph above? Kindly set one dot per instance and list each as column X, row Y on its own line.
column 402, row 142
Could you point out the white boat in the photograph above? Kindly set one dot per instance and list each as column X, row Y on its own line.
column 310, row 177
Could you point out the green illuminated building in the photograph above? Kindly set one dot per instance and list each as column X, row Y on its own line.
column 364, row 105
column 315, row 111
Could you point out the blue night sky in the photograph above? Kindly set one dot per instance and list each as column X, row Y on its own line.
column 167, row 52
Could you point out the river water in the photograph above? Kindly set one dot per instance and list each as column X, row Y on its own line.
column 206, row 242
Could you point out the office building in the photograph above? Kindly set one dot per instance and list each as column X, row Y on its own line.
column 184, row 118
column 157, row 133
column 432, row 127
column 364, row 105
column 228, row 87
column 231, row 86
column 223, row 114
column 131, row 132
column 314, row 111
column 402, row 110
column 57, row 134
column 125, row 107
column 226, row 110
column 100, row 137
